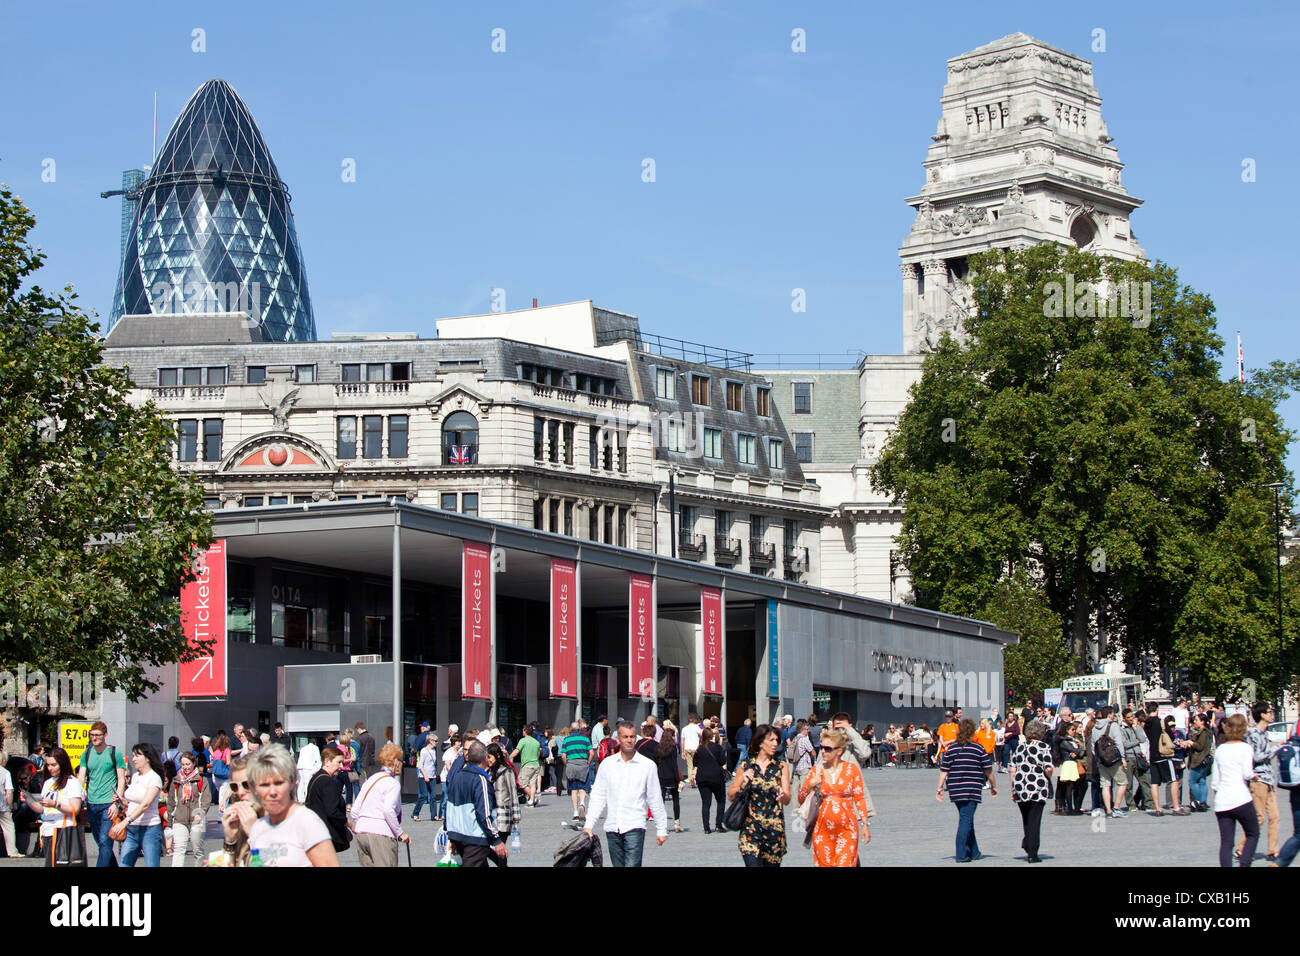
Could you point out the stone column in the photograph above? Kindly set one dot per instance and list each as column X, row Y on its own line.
column 908, row 270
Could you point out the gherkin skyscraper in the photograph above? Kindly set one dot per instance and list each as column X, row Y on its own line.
column 213, row 231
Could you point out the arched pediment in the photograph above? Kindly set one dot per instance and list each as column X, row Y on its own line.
column 272, row 452
column 458, row 398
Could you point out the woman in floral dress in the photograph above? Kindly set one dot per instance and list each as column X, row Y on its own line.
column 762, row 838
column 843, row 803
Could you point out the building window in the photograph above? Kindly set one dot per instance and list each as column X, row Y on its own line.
column 803, row 398
column 803, row 446
column 666, row 383
column 764, row 401
column 399, row 371
column 375, row 371
column 675, row 434
column 713, row 443
column 539, row 437
column 187, row 430
column 398, row 426
column 699, row 390
column 253, row 501
column 212, row 439
column 166, row 377
column 469, row 504
column 460, row 439
column 745, row 449
column 278, row 500
column 347, row 436
column 735, row 397
column 722, row 524
column 255, row 374
column 302, row 499
column 448, row 501
column 775, row 453
column 304, row 374
column 567, row 431
column 372, row 436
column 593, row 448
column 209, row 375
column 351, row 373
column 212, row 504
column 553, row 437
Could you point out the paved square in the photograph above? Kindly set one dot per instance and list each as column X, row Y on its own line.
column 912, row 829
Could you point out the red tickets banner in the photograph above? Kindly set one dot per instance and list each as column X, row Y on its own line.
column 712, row 627
column 641, row 637
column 564, row 629
column 476, row 622
column 203, row 616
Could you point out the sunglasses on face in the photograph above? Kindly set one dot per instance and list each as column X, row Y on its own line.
column 826, row 749
column 242, row 785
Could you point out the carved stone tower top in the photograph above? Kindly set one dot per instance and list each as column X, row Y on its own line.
column 1021, row 156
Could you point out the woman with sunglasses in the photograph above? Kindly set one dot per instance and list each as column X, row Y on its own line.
column 843, row 804
column 238, row 814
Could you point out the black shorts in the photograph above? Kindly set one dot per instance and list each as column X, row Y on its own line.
column 1162, row 771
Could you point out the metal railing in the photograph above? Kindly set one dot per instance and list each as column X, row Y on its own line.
column 682, row 349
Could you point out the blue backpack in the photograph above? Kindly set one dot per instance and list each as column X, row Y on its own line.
column 1288, row 764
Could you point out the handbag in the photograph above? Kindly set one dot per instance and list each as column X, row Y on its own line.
column 69, row 847
column 737, row 811
column 117, row 831
column 808, row 812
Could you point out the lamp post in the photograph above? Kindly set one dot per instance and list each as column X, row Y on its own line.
column 1281, row 666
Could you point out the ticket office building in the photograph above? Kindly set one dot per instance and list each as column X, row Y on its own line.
column 310, row 632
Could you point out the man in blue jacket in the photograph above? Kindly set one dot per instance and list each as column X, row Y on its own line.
column 470, row 812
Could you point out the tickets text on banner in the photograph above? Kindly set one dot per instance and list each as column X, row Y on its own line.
column 564, row 629
column 711, row 625
column 203, row 616
column 641, row 637
column 476, row 622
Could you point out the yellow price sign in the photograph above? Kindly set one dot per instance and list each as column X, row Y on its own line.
column 74, row 737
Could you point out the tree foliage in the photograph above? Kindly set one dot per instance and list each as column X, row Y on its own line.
column 1040, row 659
column 1100, row 454
column 97, row 529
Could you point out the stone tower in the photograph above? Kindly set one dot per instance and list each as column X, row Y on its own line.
column 1020, row 156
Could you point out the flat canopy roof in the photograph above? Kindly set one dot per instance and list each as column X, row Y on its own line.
column 357, row 536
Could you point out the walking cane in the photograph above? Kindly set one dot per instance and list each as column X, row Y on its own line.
column 408, row 855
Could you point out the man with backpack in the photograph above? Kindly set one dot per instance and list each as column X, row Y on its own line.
column 1263, row 789
column 799, row 751
column 1137, row 760
column 172, row 755
column 102, row 775
column 1109, row 759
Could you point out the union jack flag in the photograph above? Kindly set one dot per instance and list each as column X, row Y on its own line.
column 460, row 454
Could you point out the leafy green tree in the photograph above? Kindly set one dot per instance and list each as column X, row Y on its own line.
column 1040, row 659
column 97, row 529
column 1093, row 450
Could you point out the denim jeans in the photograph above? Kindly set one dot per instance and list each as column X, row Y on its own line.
column 751, row 859
column 424, row 795
column 744, row 755
column 97, row 814
column 1196, row 780
column 967, row 847
column 1291, row 846
column 625, row 848
column 143, row 840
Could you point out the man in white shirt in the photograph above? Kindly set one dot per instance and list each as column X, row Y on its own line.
column 1181, row 716
column 598, row 731
column 628, row 786
column 308, row 763
column 690, row 744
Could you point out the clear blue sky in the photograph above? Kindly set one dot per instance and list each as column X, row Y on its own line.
column 522, row 170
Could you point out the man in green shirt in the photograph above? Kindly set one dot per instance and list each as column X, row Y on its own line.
column 103, row 776
column 530, row 766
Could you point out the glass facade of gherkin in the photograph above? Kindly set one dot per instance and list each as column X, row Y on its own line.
column 213, row 231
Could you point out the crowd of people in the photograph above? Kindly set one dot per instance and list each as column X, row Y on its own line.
column 278, row 807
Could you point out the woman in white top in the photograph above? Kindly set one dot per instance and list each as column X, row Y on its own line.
column 144, row 829
column 1233, row 770
column 289, row 834
column 61, row 798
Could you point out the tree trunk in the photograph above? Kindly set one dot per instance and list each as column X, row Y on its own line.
column 1079, row 624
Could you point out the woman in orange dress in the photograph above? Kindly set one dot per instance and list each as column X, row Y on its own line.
column 843, row 804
